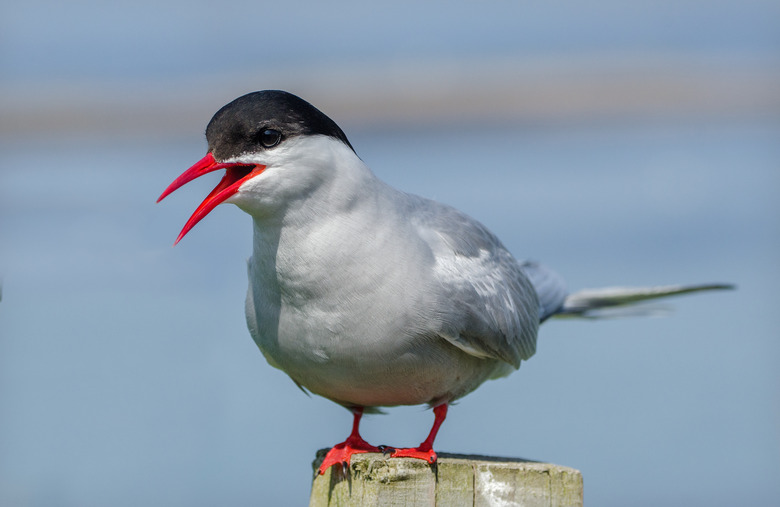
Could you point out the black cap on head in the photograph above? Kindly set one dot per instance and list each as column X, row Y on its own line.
column 239, row 126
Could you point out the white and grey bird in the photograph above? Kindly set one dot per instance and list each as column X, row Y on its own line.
column 364, row 294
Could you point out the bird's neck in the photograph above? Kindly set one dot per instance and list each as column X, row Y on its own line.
column 335, row 217
column 319, row 248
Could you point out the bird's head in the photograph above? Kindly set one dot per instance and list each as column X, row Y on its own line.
column 274, row 147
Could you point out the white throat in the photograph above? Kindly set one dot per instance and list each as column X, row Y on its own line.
column 305, row 176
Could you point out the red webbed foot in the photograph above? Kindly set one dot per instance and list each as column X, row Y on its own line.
column 428, row 455
column 425, row 450
column 341, row 453
column 354, row 444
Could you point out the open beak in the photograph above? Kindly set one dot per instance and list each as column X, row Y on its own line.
column 235, row 176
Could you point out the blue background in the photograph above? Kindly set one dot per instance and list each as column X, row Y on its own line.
column 639, row 146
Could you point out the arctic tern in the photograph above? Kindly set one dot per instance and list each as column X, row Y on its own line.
column 367, row 295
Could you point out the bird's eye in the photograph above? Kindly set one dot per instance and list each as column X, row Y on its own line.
column 270, row 138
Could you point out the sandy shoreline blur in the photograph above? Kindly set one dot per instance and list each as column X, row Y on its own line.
column 535, row 89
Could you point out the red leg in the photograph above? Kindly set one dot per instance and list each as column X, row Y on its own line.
column 354, row 444
column 425, row 450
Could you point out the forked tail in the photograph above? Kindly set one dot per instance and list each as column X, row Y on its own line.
column 620, row 301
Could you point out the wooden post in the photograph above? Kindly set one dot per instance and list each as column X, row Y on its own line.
column 455, row 480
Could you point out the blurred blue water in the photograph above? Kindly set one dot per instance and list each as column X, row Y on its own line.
column 127, row 375
column 88, row 39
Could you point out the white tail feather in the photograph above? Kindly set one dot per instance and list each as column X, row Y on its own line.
column 612, row 301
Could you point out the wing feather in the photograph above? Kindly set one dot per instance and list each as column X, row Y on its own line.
column 492, row 309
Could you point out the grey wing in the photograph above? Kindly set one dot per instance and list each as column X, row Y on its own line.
column 489, row 306
column 550, row 288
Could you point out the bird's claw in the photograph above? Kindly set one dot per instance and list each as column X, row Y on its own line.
column 386, row 450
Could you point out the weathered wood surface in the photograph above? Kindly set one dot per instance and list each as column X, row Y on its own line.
column 455, row 480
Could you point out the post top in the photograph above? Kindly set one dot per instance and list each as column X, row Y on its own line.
column 455, row 479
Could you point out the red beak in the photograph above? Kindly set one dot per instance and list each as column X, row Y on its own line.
column 235, row 176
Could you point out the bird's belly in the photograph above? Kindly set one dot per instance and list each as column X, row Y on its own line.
column 428, row 374
column 354, row 363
